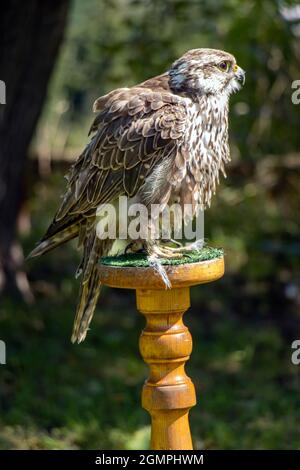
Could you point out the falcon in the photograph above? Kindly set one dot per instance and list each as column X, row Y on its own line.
column 163, row 140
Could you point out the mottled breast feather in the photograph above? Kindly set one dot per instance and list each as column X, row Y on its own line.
column 207, row 146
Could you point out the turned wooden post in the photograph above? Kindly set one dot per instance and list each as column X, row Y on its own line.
column 165, row 343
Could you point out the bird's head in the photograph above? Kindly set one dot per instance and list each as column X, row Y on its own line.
column 206, row 71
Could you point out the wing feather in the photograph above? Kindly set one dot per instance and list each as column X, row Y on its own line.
column 134, row 130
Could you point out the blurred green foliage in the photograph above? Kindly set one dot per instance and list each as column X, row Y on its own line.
column 56, row 395
column 115, row 43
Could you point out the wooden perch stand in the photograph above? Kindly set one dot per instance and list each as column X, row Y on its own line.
column 166, row 343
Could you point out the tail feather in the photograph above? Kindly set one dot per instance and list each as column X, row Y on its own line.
column 90, row 285
column 89, row 293
column 52, row 242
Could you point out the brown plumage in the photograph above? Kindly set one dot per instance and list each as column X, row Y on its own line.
column 163, row 139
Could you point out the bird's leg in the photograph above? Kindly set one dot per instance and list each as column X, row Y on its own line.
column 159, row 249
column 161, row 246
column 185, row 249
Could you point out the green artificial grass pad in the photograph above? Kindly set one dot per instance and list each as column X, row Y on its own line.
column 139, row 260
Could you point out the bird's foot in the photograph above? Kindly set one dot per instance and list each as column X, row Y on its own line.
column 186, row 249
column 156, row 251
column 163, row 250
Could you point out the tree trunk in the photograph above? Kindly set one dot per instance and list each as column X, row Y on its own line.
column 31, row 33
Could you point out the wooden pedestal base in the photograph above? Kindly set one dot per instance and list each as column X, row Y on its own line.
column 166, row 343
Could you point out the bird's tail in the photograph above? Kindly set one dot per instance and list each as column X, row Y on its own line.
column 88, row 296
column 55, row 240
column 90, row 286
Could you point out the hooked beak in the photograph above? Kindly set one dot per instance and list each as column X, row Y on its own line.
column 240, row 74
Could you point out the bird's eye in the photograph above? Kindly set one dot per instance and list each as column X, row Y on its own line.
column 224, row 66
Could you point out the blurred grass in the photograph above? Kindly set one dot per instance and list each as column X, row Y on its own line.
column 55, row 395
